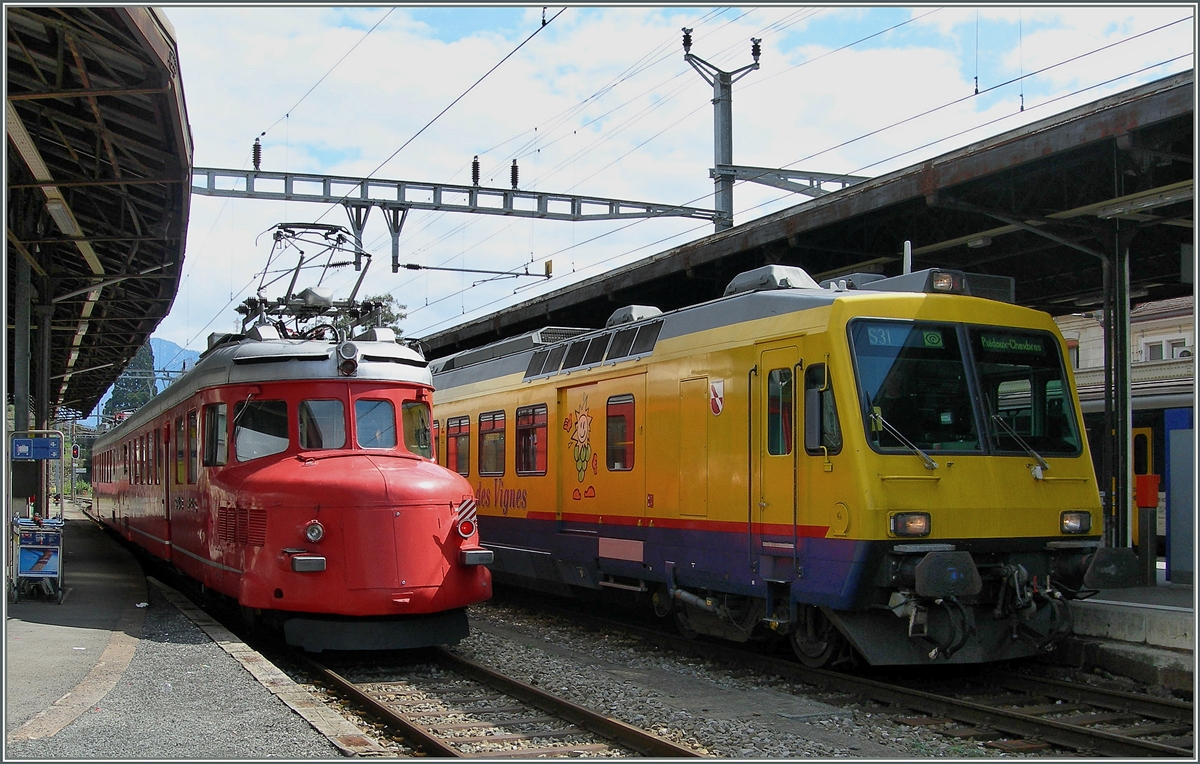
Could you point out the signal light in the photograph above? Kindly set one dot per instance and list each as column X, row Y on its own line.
column 74, row 450
column 465, row 519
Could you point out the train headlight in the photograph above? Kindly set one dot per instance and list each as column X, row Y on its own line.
column 910, row 524
column 940, row 281
column 347, row 354
column 1075, row 522
column 314, row 532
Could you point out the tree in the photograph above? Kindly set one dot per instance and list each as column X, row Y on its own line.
column 388, row 315
column 135, row 387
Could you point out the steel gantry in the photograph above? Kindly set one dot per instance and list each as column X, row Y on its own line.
column 396, row 197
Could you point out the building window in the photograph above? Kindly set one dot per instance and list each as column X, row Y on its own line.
column 531, row 440
column 491, row 443
column 619, row 433
column 1073, row 352
column 458, row 444
column 1154, row 351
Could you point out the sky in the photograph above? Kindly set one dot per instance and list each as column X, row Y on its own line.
column 598, row 101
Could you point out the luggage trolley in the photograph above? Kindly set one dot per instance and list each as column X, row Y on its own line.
column 35, row 554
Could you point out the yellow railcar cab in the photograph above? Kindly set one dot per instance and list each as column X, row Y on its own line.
column 889, row 468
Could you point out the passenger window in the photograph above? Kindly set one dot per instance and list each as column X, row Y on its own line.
column 260, row 428
column 415, row 416
column 619, row 433
column 491, row 443
column 822, row 431
column 216, row 447
column 458, row 444
column 531, row 440
column 193, row 447
column 779, row 412
column 322, row 424
column 180, row 452
column 158, row 450
column 375, row 422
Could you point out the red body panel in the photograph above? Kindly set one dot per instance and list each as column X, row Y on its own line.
column 390, row 544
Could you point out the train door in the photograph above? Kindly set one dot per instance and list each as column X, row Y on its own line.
column 693, row 446
column 1143, row 468
column 771, row 517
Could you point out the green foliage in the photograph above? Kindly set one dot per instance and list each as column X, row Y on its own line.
column 388, row 315
column 135, row 387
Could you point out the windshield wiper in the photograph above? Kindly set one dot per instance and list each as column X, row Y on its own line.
column 930, row 464
column 1042, row 466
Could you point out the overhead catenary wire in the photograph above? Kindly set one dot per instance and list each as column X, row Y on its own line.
column 544, row 137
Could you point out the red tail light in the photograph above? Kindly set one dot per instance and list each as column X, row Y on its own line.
column 465, row 520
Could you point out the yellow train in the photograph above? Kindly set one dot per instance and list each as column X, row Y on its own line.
column 893, row 467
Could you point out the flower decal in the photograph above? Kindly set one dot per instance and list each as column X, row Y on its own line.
column 581, row 435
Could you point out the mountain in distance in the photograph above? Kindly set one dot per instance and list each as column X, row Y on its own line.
column 167, row 357
column 170, row 357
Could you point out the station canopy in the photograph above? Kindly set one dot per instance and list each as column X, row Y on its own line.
column 98, row 172
column 1046, row 204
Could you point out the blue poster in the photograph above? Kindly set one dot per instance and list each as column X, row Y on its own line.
column 34, row 562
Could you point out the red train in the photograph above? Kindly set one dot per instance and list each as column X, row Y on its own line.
column 291, row 470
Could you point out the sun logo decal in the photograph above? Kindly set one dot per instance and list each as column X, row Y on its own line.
column 579, row 424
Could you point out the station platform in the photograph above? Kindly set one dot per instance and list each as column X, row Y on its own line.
column 116, row 671
column 125, row 668
column 1146, row 633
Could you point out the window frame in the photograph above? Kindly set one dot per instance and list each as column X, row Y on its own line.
column 626, row 406
column 533, row 432
column 458, row 444
column 493, row 431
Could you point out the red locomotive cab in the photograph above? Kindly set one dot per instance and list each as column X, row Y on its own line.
column 341, row 514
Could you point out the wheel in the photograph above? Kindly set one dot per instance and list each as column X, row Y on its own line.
column 683, row 625
column 815, row 641
column 661, row 601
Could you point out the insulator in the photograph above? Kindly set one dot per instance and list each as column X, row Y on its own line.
column 257, row 154
column 755, row 48
column 475, row 171
column 514, row 174
column 687, row 40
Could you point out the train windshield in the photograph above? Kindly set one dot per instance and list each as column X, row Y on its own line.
column 913, row 386
column 1025, row 392
column 916, row 392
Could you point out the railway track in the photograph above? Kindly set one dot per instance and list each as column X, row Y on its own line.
column 451, row 707
column 1014, row 713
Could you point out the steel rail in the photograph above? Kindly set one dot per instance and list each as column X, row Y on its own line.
column 645, row 743
column 1058, row 733
column 1162, row 708
column 423, row 738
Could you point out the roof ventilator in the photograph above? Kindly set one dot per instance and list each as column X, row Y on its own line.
column 771, row 277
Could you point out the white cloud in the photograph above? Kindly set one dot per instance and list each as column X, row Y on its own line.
column 600, row 102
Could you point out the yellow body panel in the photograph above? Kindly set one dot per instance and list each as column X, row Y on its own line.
column 692, row 462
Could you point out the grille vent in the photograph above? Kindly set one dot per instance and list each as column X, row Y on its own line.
column 242, row 526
